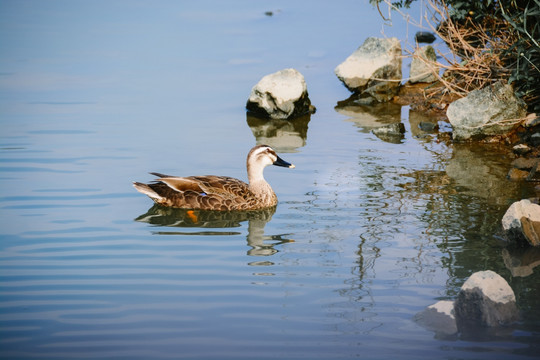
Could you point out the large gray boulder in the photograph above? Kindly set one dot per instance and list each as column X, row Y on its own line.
column 423, row 65
column 374, row 69
column 281, row 95
column 522, row 219
column 485, row 299
column 493, row 110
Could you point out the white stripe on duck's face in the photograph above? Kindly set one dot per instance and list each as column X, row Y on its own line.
column 262, row 155
column 265, row 155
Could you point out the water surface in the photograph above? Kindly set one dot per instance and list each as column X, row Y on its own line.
column 368, row 231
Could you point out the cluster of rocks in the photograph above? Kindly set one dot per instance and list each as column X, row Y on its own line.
column 485, row 301
column 373, row 74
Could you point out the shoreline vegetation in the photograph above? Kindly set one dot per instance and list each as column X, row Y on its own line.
column 487, row 42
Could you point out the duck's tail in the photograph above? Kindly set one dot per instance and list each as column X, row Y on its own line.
column 147, row 190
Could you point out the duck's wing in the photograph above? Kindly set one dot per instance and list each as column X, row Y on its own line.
column 200, row 192
column 209, row 185
column 182, row 184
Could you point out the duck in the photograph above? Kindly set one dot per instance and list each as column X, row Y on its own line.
column 221, row 193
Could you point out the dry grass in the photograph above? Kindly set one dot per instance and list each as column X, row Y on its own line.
column 476, row 57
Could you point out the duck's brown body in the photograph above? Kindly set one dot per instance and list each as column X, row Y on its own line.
column 208, row 192
column 222, row 193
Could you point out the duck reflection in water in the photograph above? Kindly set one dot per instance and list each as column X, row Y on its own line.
column 261, row 245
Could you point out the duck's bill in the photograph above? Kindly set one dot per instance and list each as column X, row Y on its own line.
column 281, row 162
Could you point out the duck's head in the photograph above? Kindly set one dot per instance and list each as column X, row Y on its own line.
column 260, row 157
column 264, row 155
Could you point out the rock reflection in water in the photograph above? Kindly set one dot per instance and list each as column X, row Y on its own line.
column 465, row 196
column 368, row 117
column 479, row 171
column 521, row 261
column 261, row 244
column 471, row 170
column 284, row 136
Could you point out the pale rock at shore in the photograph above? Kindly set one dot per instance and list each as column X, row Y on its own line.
column 374, row 69
column 281, row 95
column 485, row 299
column 523, row 219
column 493, row 110
column 423, row 65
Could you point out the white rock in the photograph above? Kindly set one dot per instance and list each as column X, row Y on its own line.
column 376, row 60
column 492, row 284
column 280, row 95
column 485, row 299
column 524, row 208
column 522, row 219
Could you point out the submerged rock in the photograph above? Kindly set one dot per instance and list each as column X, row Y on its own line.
column 515, row 174
column 525, row 163
column 424, row 60
column 374, row 69
column 522, row 220
column 281, row 95
column 485, row 299
column 523, row 168
column 439, row 318
column 428, row 126
column 397, row 129
column 493, row 110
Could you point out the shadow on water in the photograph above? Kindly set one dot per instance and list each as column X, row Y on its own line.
column 284, row 136
column 261, row 244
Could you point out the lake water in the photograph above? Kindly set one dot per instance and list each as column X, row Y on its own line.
column 367, row 233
